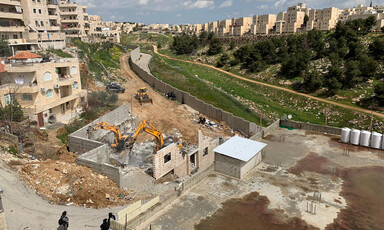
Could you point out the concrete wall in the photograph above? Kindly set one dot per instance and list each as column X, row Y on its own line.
column 160, row 168
column 246, row 167
column 236, row 123
column 311, row 127
column 204, row 162
column 10, row 137
column 135, row 53
column 227, row 165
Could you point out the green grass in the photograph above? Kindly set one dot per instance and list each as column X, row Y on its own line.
column 271, row 102
column 60, row 53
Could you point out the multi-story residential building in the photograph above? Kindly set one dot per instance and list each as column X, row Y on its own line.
column 240, row 26
column 41, row 16
column 212, row 27
column 223, row 28
column 74, row 20
column 295, row 18
column 325, row 19
column 12, row 27
column 263, row 24
column 48, row 90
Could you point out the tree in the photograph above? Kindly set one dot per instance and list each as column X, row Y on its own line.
column 306, row 19
column 295, row 64
column 382, row 29
column 377, row 48
column 232, row 45
column 184, row 44
column 223, row 60
column 312, row 81
column 203, row 36
column 5, row 51
column 379, row 91
column 356, row 49
column 102, row 99
column 352, row 74
column 210, row 36
column 368, row 67
column 334, row 77
column 215, row 46
column 369, row 23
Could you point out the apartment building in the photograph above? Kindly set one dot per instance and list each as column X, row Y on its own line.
column 48, row 91
column 295, row 18
column 42, row 19
column 74, row 20
column 325, row 19
column 263, row 24
column 240, row 26
column 12, row 27
column 223, row 28
column 212, row 27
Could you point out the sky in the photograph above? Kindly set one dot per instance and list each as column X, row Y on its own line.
column 200, row 11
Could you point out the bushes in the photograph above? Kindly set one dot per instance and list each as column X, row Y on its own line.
column 185, row 44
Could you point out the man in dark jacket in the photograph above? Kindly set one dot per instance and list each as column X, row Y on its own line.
column 64, row 220
column 104, row 225
column 110, row 216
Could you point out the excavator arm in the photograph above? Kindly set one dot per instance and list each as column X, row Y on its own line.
column 113, row 128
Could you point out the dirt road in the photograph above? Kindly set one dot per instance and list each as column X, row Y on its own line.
column 25, row 210
column 164, row 114
column 275, row 87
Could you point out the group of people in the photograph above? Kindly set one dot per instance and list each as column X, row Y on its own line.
column 64, row 221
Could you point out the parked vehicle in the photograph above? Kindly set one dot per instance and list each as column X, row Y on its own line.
column 115, row 87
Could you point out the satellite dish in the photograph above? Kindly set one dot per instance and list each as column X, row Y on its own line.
column 285, row 116
column 289, row 116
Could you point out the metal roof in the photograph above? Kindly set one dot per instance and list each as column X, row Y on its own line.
column 240, row 148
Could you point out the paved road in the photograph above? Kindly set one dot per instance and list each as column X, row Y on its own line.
column 25, row 210
column 381, row 115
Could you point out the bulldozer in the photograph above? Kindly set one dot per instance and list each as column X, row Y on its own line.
column 142, row 96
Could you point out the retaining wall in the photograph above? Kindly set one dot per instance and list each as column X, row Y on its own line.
column 236, row 123
column 311, row 127
column 10, row 137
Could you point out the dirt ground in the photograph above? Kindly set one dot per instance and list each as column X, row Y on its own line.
column 166, row 115
column 306, row 180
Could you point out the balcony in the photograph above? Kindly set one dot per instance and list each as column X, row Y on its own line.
column 67, row 4
column 44, row 36
column 68, row 13
column 50, row 6
column 69, row 20
column 11, row 15
column 15, row 29
column 21, row 88
column 65, row 80
column 53, row 17
column 10, row 2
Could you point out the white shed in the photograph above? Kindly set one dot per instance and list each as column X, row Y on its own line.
column 237, row 156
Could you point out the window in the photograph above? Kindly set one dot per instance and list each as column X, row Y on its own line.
column 42, row 23
column 73, row 70
column 205, row 152
column 39, row 11
column 75, row 85
column 37, row 23
column 15, row 36
column 27, row 97
column 167, row 157
column 34, row 11
column 47, row 76
column 49, row 93
column 8, row 99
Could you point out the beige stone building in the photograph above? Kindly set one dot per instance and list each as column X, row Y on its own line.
column 295, row 18
column 46, row 91
column 12, row 27
column 42, row 19
column 74, row 20
column 364, row 12
column 324, row 20
column 263, row 24
column 223, row 28
column 240, row 26
column 212, row 27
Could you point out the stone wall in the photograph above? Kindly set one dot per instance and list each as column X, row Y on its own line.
column 236, row 123
column 205, row 155
column 160, row 167
column 227, row 165
column 246, row 167
column 9, row 137
column 311, row 127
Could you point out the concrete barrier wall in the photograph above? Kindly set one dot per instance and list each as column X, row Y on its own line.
column 135, row 51
column 311, row 127
column 10, row 137
column 236, row 123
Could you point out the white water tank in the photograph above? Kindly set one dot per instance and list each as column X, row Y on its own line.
column 382, row 146
column 365, row 138
column 345, row 135
column 355, row 136
column 376, row 140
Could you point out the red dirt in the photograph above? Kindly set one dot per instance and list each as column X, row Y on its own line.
column 315, row 163
column 250, row 212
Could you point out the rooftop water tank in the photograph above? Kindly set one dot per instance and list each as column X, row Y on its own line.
column 376, row 140
column 382, row 145
column 355, row 136
column 345, row 135
column 365, row 138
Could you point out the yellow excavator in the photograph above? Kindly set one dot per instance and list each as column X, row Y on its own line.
column 142, row 96
column 127, row 140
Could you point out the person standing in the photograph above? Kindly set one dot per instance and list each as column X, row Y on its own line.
column 110, row 216
column 64, row 220
column 104, row 225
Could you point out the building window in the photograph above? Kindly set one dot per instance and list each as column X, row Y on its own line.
column 37, row 23
column 75, row 85
column 27, row 97
column 49, row 93
column 39, row 11
column 73, row 70
column 167, row 158
column 7, row 99
column 42, row 23
column 15, row 36
column 34, row 11
column 205, row 152
column 47, row 76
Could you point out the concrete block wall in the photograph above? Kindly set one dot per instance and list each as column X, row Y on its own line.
column 204, row 162
column 311, row 127
column 236, row 123
column 159, row 167
column 227, row 165
column 197, row 178
column 246, row 167
column 10, row 137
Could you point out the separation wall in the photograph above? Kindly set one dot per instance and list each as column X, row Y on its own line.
column 236, row 123
column 311, row 127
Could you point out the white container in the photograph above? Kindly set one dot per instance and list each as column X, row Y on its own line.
column 345, row 135
column 376, row 140
column 355, row 136
column 365, row 138
column 382, row 145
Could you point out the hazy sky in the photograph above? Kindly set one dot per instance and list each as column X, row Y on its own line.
column 199, row 11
